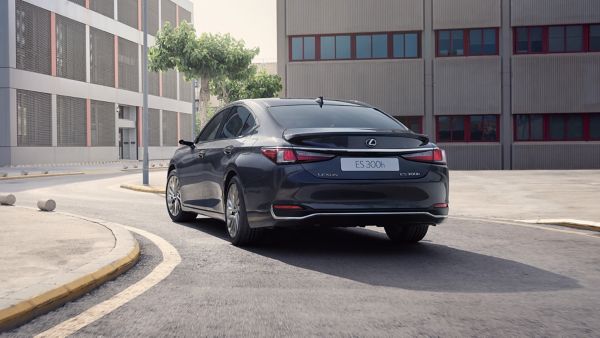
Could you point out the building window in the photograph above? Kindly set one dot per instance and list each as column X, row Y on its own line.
column 335, row 47
column 414, row 123
column 557, row 39
column 467, row 42
column 406, row 45
column 468, row 128
column 303, row 48
column 557, row 127
column 372, row 46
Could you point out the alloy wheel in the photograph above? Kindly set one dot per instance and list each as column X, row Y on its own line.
column 174, row 196
column 233, row 211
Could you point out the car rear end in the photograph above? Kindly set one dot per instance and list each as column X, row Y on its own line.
column 349, row 165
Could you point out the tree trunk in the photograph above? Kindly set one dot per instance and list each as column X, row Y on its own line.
column 204, row 101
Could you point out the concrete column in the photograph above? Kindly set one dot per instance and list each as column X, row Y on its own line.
column 13, row 116
column 54, row 121
column 53, row 43
column 282, row 46
column 88, row 122
column 177, row 85
column 8, row 96
column 116, row 7
column 116, row 62
column 87, row 53
column 140, row 70
column 160, row 123
column 116, row 112
column 506, row 125
column 428, row 55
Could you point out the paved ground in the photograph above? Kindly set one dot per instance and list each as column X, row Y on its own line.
column 469, row 278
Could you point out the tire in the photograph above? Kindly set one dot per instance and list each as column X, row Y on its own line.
column 173, row 200
column 236, row 219
column 406, row 233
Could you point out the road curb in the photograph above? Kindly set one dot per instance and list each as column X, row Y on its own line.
column 39, row 176
column 74, row 284
column 569, row 223
column 143, row 188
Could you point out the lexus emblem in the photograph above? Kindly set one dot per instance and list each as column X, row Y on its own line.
column 371, row 142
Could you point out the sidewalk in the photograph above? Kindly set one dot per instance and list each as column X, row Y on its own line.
column 47, row 259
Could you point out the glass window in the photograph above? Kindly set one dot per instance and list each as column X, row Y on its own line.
column 363, row 46
column 490, row 128
column 236, row 122
column 332, row 116
column 210, row 130
column 380, row 46
column 458, row 128
column 595, row 38
column 522, row 125
column 522, row 40
column 556, row 39
column 595, row 127
column 444, row 129
column 575, row 127
column 444, row 43
column 535, row 37
column 489, row 42
column 457, row 43
column 296, row 48
column 411, row 45
column 413, row 123
column 248, row 125
column 475, row 39
column 342, row 47
column 309, row 48
column 399, row 45
column 574, row 37
column 537, row 127
column 557, row 128
column 328, row 47
column 477, row 128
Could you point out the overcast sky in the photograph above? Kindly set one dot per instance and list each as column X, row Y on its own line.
column 254, row 21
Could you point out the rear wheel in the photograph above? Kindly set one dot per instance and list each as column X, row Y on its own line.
column 406, row 233
column 173, row 199
column 239, row 231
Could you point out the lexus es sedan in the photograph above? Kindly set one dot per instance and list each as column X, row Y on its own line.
column 266, row 163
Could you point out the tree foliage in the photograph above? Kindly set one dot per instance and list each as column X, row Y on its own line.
column 249, row 85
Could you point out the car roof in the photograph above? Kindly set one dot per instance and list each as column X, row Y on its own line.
column 278, row 102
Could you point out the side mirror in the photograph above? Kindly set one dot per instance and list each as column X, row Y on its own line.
column 187, row 143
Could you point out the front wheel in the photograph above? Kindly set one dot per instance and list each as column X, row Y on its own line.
column 238, row 229
column 173, row 199
column 406, row 233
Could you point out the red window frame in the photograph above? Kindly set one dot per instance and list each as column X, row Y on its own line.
column 411, row 120
column 466, row 128
column 390, row 46
column 466, row 41
column 586, row 132
column 546, row 39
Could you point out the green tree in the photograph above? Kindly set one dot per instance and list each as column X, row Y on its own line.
column 251, row 84
column 205, row 57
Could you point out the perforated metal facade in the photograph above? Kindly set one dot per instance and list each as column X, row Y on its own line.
column 103, row 124
column 154, row 127
column 34, row 118
column 32, row 38
column 79, row 2
column 102, row 58
column 185, row 127
column 127, row 12
column 128, row 65
column 169, row 126
column 104, row 7
column 185, row 89
column 169, row 84
column 168, row 13
column 185, row 15
column 70, row 48
column 154, row 83
column 152, row 16
column 71, row 121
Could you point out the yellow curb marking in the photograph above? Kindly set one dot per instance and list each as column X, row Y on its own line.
column 141, row 188
column 170, row 260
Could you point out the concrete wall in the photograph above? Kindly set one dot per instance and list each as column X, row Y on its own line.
column 467, row 85
column 473, row 156
column 448, row 14
column 346, row 16
column 556, row 83
column 556, row 155
column 374, row 81
column 554, row 12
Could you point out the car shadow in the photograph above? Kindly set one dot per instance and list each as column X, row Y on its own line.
column 367, row 256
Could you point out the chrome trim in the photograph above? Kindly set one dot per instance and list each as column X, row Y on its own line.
column 357, row 214
column 345, row 150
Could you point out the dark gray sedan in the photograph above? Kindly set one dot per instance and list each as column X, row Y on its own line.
column 267, row 163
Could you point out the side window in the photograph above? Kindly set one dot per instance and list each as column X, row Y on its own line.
column 210, row 131
column 240, row 121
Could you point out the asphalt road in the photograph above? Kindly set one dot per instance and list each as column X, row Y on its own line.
column 468, row 278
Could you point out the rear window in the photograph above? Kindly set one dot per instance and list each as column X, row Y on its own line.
column 311, row 116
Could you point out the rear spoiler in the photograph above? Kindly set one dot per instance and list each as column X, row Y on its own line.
column 304, row 133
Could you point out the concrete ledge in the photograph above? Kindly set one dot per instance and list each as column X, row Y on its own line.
column 571, row 223
column 144, row 188
column 44, row 297
column 20, row 177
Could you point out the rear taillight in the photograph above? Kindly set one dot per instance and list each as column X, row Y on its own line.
column 436, row 155
column 289, row 155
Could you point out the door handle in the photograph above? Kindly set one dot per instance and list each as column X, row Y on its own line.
column 201, row 153
column 228, row 150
